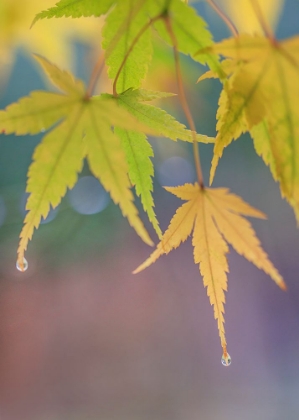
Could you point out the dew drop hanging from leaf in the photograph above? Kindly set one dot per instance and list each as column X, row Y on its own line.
column 226, row 360
column 22, row 266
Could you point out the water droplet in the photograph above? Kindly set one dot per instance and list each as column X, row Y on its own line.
column 24, row 267
column 42, row 130
column 226, row 359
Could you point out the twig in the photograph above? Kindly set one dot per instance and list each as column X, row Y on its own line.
column 262, row 21
column 95, row 75
column 225, row 18
column 183, row 101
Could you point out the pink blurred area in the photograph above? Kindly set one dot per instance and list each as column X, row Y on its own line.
column 92, row 341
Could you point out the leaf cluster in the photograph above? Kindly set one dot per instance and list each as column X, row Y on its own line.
column 260, row 78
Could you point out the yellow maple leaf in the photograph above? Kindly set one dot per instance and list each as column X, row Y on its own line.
column 216, row 218
column 261, row 95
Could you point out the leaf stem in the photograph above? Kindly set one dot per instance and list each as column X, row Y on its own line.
column 96, row 72
column 184, row 102
column 224, row 17
column 262, row 21
column 134, row 42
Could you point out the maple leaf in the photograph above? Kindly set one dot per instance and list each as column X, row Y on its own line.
column 216, row 218
column 84, row 129
column 260, row 95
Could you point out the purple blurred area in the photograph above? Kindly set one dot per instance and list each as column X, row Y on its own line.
column 81, row 338
column 92, row 341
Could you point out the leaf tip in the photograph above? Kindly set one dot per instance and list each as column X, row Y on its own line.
column 140, row 268
column 214, row 165
column 159, row 234
column 146, row 238
column 39, row 16
column 39, row 58
column 283, row 286
column 34, row 21
column 211, row 179
column 149, row 261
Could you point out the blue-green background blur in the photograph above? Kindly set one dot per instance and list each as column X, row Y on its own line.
column 82, row 338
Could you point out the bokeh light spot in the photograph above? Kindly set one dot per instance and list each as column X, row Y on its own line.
column 88, row 196
column 175, row 171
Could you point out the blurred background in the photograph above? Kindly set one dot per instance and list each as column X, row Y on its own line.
column 80, row 336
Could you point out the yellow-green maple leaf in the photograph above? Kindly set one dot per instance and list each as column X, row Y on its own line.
column 216, row 218
column 84, row 130
column 261, row 96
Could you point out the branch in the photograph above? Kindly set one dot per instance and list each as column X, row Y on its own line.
column 183, row 100
column 262, row 21
column 225, row 18
column 97, row 70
